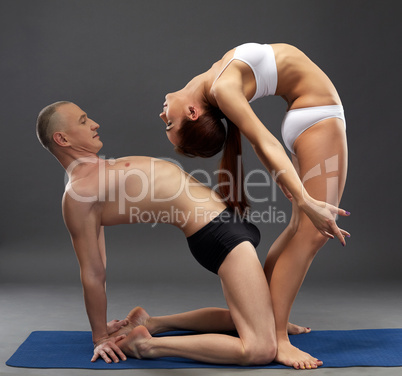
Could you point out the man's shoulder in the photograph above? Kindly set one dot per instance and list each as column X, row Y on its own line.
column 79, row 210
column 81, row 193
column 79, row 200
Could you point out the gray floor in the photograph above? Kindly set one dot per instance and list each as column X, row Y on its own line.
column 26, row 308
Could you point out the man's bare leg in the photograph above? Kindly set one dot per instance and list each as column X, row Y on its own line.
column 204, row 320
column 247, row 294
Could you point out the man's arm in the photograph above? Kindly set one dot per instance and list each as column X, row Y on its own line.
column 102, row 245
column 83, row 223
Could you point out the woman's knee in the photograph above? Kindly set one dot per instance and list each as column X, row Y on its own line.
column 312, row 239
column 293, row 225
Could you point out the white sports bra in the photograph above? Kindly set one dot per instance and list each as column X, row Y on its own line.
column 261, row 59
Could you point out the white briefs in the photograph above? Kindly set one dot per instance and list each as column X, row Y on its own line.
column 298, row 120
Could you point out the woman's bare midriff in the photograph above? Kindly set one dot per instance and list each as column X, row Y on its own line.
column 301, row 83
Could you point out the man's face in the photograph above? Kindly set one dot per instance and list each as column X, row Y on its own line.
column 80, row 131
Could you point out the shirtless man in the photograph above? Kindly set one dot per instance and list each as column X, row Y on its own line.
column 110, row 192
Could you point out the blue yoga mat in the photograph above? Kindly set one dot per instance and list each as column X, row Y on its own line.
column 336, row 348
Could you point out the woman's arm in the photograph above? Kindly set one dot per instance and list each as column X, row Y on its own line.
column 269, row 150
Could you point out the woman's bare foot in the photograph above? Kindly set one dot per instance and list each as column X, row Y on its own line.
column 293, row 357
column 135, row 343
column 296, row 329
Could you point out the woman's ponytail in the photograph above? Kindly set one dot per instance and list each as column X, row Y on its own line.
column 231, row 175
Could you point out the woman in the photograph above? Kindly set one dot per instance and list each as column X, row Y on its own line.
column 314, row 132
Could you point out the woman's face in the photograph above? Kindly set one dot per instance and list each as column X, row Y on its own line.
column 174, row 111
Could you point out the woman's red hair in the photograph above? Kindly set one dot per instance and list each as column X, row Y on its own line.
column 206, row 137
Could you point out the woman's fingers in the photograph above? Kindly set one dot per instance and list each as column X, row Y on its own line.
column 345, row 233
column 328, row 235
column 344, row 213
column 323, row 216
column 336, row 231
column 338, row 234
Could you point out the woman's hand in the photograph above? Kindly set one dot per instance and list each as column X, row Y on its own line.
column 323, row 216
column 107, row 347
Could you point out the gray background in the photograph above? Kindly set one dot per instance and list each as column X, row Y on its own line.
column 117, row 59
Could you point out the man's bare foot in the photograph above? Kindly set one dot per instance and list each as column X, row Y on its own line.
column 296, row 329
column 135, row 343
column 137, row 316
column 293, row 357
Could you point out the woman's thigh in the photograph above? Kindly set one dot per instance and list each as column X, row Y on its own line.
column 321, row 160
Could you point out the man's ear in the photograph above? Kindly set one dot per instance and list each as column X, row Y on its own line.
column 60, row 139
column 193, row 113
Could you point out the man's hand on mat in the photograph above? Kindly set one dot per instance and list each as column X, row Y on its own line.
column 107, row 347
column 115, row 325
